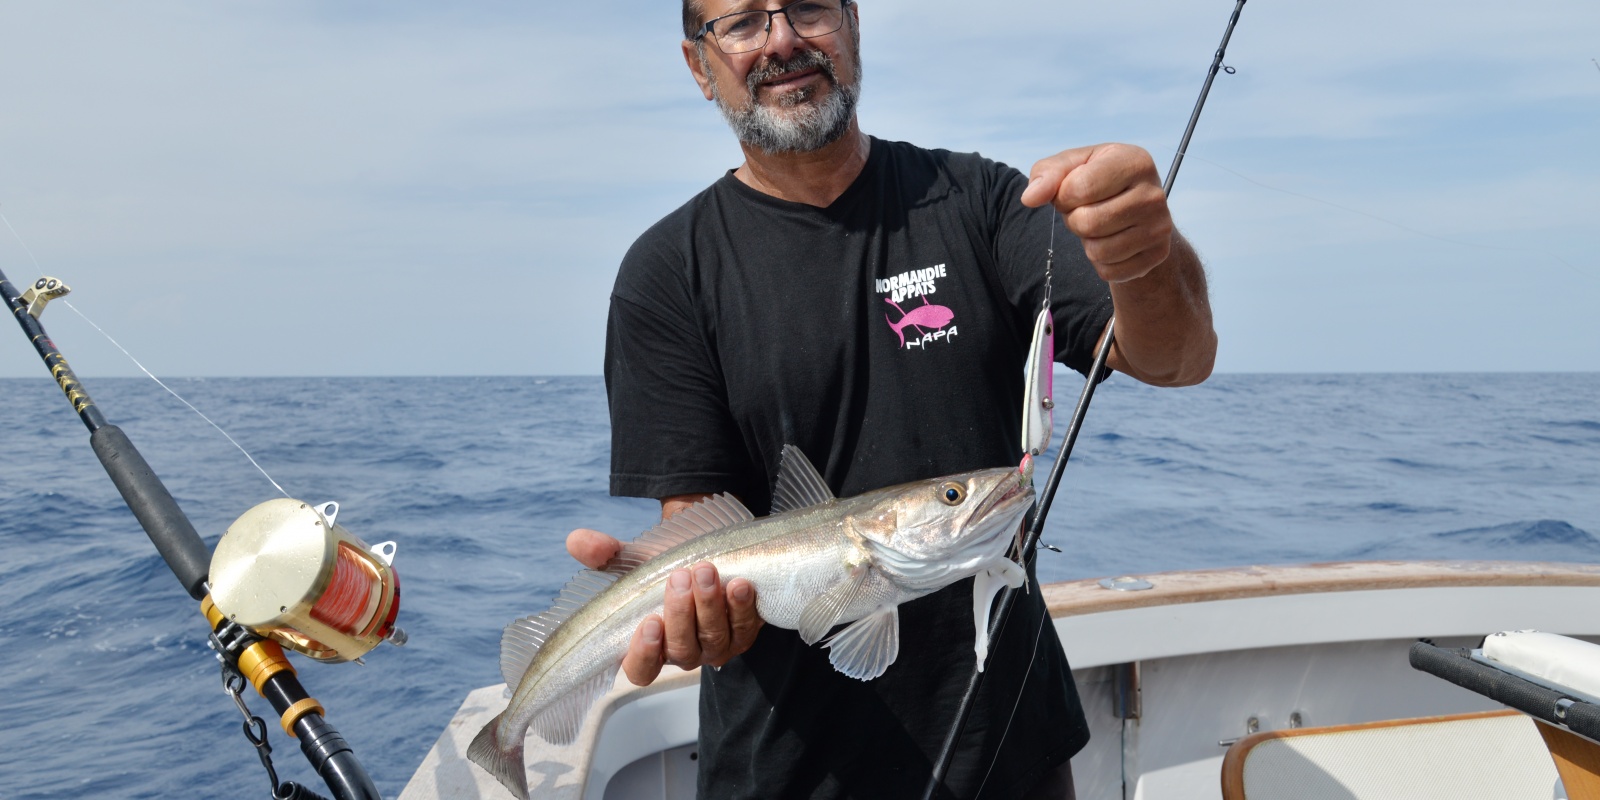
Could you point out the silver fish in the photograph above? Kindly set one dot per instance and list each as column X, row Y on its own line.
column 817, row 562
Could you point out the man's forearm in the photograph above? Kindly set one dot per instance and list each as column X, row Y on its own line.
column 1163, row 322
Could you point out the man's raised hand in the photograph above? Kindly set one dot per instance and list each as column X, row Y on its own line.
column 1110, row 196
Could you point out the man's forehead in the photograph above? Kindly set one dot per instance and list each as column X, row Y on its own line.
column 711, row 9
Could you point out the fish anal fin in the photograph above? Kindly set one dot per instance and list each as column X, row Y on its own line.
column 799, row 485
column 712, row 514
column 504, row 764
column 559, row 722
column 864, row 649
column 985, row 585
column 825, row 610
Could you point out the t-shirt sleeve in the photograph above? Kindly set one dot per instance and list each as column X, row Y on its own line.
column 671, row 432
column 1080, row 301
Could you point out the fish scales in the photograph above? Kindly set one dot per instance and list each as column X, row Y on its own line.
column 792, row 561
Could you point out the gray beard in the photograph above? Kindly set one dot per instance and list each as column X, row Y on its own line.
column 797, row 124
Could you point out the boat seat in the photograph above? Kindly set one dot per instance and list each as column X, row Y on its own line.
column 1496, row 754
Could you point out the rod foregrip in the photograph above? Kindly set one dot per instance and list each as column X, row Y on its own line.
column 165, row 523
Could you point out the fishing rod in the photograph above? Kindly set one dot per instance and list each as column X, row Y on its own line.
column 346, row 600
column 1035, row 524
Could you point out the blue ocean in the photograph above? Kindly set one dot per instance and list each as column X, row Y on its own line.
column 109, row 690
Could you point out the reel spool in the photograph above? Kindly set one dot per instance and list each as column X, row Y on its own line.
column 287, row 571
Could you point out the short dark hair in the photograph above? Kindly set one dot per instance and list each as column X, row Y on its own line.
column 691, row 18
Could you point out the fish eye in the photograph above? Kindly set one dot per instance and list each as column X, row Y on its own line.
column 952, row 493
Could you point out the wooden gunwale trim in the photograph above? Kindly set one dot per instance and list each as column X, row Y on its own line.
column 1239, row 752
column 1073, row 598
column 1577, row 760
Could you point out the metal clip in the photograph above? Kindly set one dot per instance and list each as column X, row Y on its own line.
column 41, row 293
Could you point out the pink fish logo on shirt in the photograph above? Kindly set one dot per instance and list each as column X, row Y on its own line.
column 926, row 315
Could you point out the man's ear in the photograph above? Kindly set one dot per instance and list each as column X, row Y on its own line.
column 697, row 66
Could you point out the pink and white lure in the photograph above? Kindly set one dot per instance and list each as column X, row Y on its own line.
column 1038, row 399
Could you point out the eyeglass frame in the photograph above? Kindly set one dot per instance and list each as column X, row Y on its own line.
column 705, row 30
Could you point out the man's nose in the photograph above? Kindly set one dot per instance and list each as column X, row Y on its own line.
column 782, row 41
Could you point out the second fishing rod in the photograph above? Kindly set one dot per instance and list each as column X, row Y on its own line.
column 285, row 554
column 1097, row 372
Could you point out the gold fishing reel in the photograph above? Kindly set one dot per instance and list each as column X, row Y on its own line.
column 288, row 571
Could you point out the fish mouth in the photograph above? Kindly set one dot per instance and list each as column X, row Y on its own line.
column 1014, row 485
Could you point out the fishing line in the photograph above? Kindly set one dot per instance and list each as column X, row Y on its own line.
column 1390, row 222
column 1032, row 657
column 175, row 394
column 19, row 241
column 141, row 367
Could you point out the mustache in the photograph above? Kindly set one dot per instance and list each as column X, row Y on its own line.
column 805, row 59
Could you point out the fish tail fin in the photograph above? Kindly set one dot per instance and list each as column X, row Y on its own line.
column 897, row 329
column 503, row 763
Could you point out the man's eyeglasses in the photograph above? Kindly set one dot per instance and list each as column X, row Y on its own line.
column 744, row 31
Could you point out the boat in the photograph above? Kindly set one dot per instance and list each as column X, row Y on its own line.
column 1175, row 669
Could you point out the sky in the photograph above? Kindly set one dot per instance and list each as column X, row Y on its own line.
column 410, row 188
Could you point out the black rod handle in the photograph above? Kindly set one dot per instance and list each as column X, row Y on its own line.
column 330, row 755
column 165, row 523
column 333, row 759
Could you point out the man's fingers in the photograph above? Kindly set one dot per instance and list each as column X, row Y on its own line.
column 643, row 661
column 592, row 548
column 678, row 611
column 1128, row 254
column 1044, row 180
column 1086, row 175
column 743, row 620
column 711, row 616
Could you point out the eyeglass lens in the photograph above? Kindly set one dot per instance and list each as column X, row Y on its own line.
column 745, row 31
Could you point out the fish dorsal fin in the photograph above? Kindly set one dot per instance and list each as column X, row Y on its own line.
column 710, row 515
column 798, row 485
column 523, row 637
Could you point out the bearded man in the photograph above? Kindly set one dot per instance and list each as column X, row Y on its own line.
column 870, row 302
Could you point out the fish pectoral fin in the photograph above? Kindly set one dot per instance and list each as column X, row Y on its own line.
column 866, row 647
column 985, row 585
column 825, row 610
column 560, row 721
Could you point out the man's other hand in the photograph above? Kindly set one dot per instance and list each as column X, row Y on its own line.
column 1110, row 196
column 702, row 622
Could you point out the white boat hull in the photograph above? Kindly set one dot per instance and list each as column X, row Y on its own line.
column 1168, row 676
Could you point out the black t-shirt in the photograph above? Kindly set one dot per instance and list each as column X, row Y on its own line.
column 885, row 336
